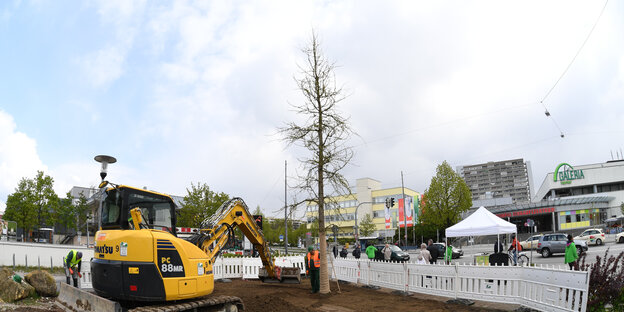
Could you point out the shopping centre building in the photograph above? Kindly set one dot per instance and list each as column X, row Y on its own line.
column 571, row 197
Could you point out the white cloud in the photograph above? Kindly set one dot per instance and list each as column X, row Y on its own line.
column 18, row 156
column 104, row 66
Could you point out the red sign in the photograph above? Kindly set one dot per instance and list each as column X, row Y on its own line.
column 526, row 212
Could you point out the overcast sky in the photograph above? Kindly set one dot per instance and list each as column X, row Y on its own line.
column 185, row 91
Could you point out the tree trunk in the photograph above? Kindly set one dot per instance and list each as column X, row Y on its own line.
column 324, row 277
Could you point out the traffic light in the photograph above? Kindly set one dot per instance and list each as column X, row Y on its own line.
column 390, row 202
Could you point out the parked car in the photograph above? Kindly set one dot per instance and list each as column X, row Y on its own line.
column 592, row 236
column 397, row 253
column 531, row 242
column 556, row 243
column 457, row 252
column 619, row 238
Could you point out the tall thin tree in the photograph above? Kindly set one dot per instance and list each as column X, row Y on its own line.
column 325, row 134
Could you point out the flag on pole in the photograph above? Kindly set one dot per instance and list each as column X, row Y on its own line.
column 409, row 209
column 388, row 217
column 405, row 211
column 416, row 209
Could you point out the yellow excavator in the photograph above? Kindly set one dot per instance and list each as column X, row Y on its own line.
column 139, row 258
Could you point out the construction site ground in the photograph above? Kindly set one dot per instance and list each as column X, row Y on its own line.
column 265, row 297
column 268, row 297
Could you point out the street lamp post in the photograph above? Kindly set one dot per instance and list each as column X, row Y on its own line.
column 104, row 160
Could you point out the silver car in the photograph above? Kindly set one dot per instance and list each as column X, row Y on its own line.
column 556, row 243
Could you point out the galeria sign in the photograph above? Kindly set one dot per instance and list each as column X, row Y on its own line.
column 566, row 173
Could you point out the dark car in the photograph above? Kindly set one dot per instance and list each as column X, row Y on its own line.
column 397, row 254
column 457, row 252
column 556, row 243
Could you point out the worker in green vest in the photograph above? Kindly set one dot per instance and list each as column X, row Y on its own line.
column 448, row 256
column 72, row 263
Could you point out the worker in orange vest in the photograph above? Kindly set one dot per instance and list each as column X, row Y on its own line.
column 313, row 266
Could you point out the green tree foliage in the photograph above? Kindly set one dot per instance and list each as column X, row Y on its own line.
column 199, row 204
column 19, row 207
column 65, row 212
column 622, row 208
column 367, row 227
column 323, row 132
column 33, row 202
column 82, row 210
column 446, row 198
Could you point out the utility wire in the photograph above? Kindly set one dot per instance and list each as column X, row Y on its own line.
column 568, row 67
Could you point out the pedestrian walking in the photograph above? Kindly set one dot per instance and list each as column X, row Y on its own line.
column 313, row 265
column 424, row 253
column 515, row 248
column 433, row 250
column 344, row 252
column 357, row 251
column 387, row 252
column 448, row 254
column 370, row 252
column 571, row 254
column 72, row 264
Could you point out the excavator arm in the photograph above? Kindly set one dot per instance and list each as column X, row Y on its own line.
column 217, row 230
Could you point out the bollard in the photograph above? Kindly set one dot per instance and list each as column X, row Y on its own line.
column 13, row 262
column 51, row 263
column 39, row 262
column 26, row 260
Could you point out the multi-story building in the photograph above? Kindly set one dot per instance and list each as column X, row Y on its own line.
column 367, row 198
column 571, row 199
column 499, row 179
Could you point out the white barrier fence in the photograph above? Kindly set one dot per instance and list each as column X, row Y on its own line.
column 543, row 288
column 248, row 268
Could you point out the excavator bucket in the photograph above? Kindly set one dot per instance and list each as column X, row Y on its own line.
column 291, row 275
column 286, row 275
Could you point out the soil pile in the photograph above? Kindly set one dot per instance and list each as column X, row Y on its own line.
column 13, row 289
column 261, row 297
column 43, row 282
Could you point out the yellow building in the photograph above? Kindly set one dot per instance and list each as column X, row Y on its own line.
column 368, row 198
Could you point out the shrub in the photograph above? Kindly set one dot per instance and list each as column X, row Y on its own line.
column 606, row 282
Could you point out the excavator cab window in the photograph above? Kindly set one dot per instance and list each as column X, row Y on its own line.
column 158, row 211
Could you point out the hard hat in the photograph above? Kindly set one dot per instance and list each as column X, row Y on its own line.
column 79, row 255
column 310, row 248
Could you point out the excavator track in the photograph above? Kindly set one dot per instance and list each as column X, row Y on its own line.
column 212, row 303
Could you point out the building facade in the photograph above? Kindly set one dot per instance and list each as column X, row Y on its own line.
column 499, row 179
column 368, row 198
column 571, row 198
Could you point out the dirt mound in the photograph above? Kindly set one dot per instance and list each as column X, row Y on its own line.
column 12, row 290
column 43, row 282
column 261, row 297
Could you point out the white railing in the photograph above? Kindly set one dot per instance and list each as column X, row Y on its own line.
column 543, row 288
column 248, row 268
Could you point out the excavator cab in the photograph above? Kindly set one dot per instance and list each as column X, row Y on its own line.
column 157, row 210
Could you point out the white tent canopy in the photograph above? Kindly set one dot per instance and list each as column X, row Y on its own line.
column 481, row 222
